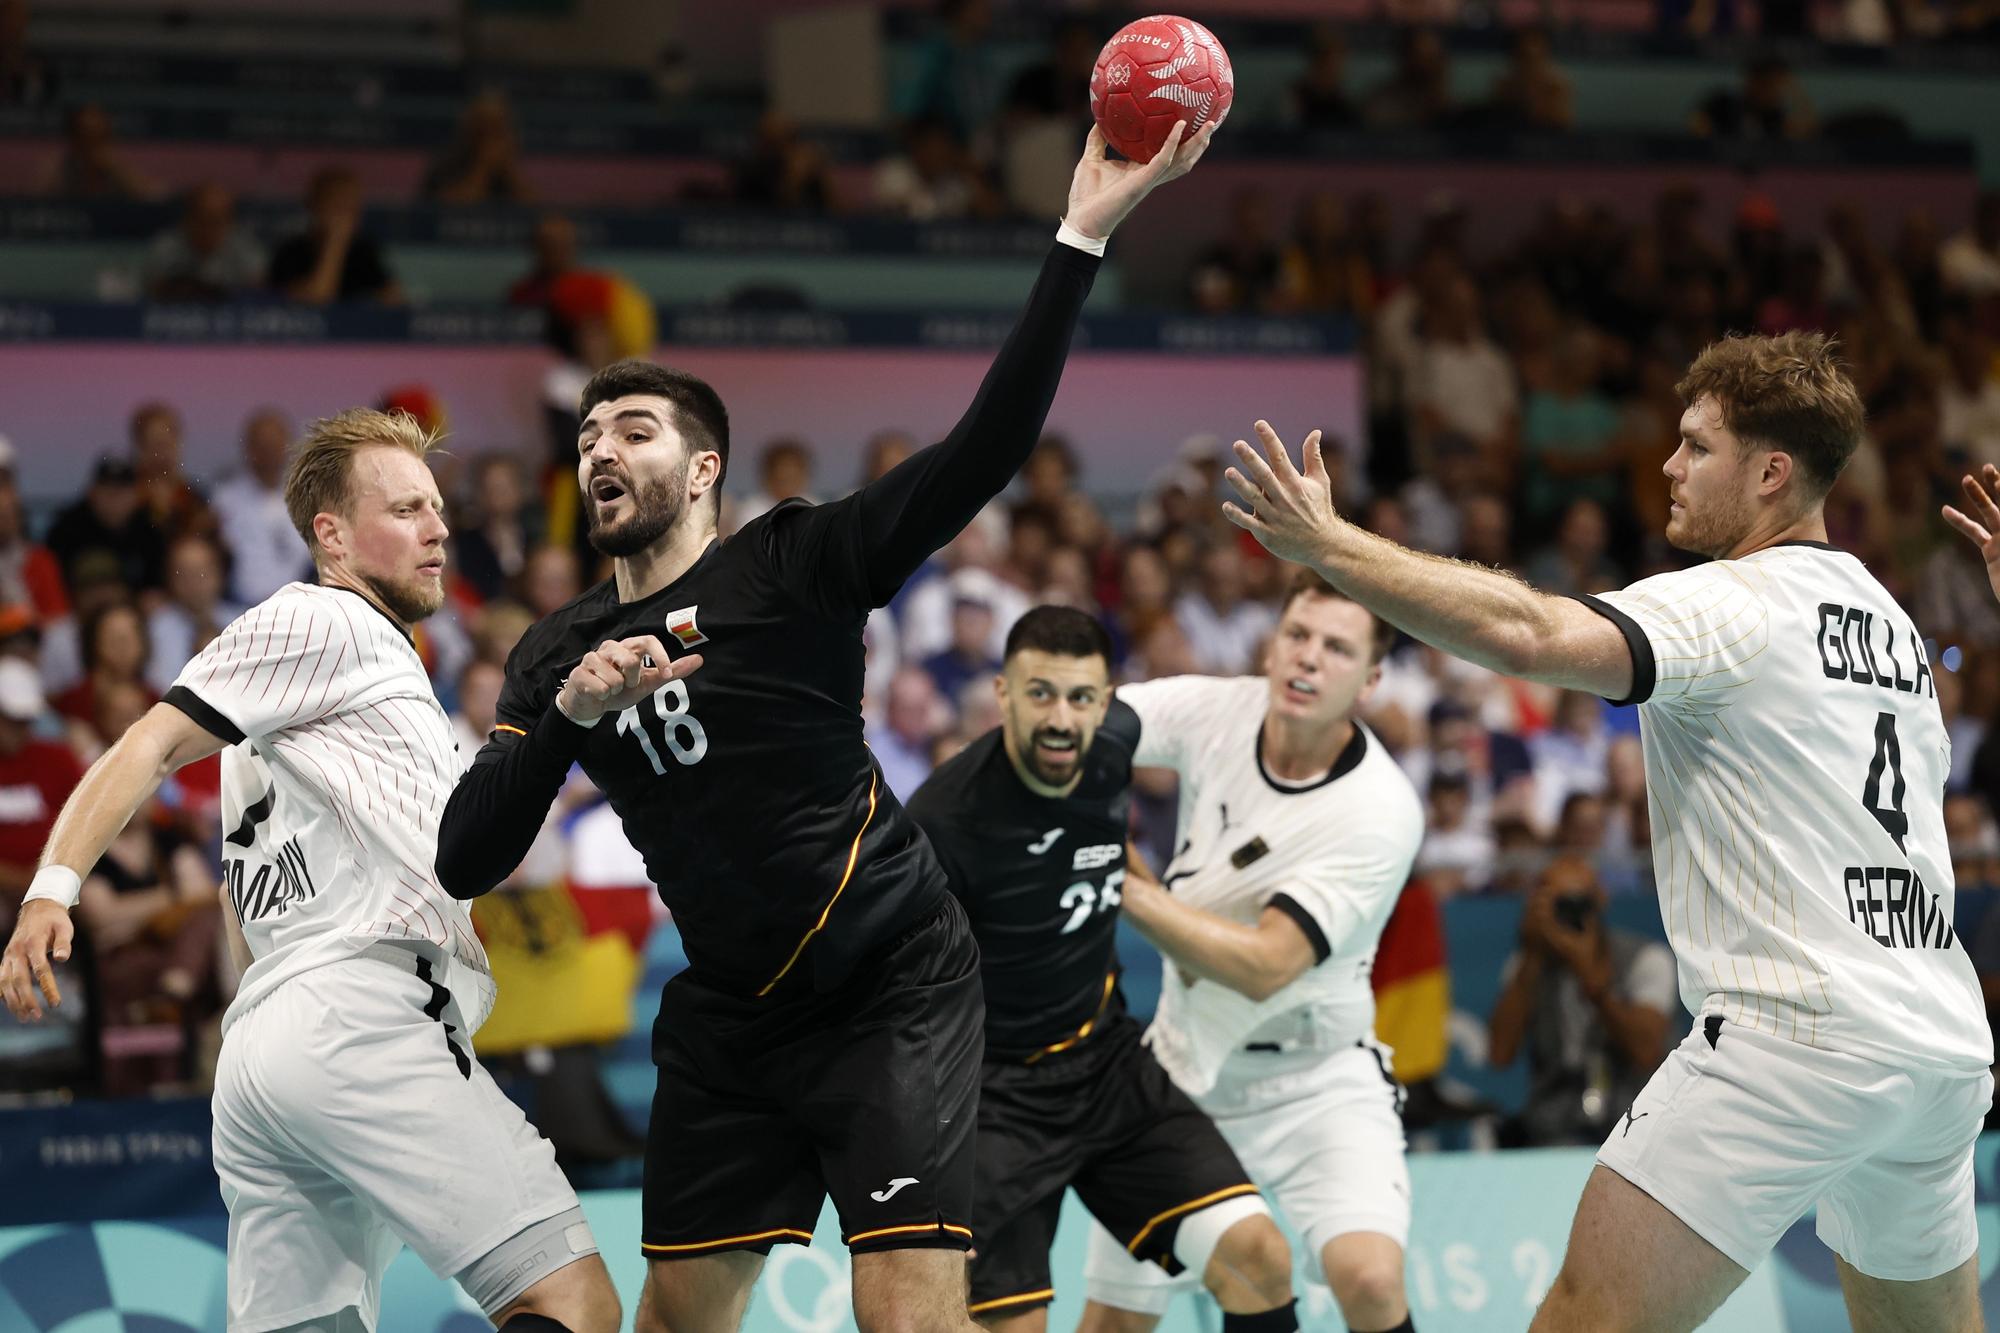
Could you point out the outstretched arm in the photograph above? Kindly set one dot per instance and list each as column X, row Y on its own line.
column 121, row 780
column 1468, row 610
column 927, row 500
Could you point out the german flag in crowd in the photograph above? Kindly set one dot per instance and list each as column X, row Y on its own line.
column 1412, row 986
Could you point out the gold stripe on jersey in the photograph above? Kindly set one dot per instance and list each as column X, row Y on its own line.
column 775, row 1233
column 998, row 1302
column 1182, row 1209
column 1089, row 1024
column 853, row 855
column 879, row 1232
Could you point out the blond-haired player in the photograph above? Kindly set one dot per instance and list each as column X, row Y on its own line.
column 1795, row 766
column 350, row 1116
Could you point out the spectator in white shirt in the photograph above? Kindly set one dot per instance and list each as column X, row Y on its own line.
column 1970, row 261
column 1570, row 756
column 901, row 738
column 1969, row 397
column 478, row 704
column 1457, row 852
column 975, row 559
column 935, row 177
column 207, row 257
column 1223, row 627
column 265, row 550
column 1460, row 380
column 195, row 610
column 784, row 472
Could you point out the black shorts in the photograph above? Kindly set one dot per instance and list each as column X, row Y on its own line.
column 1105, row 1119
column 869, row 1093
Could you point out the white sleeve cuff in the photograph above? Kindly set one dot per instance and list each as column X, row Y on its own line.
column 1076, row 240
column 56, row 884
column 561, row 708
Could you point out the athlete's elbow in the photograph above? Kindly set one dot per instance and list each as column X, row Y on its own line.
column 1260, row 987
column 452, row 884
column 458, row 869
column 1266, row 980
column 460, row 883
column 1515, row 648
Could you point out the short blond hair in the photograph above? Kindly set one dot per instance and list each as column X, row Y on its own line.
column 322, row 467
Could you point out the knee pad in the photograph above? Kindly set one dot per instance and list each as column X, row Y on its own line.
column 497, row 1278
column 1199, row 1233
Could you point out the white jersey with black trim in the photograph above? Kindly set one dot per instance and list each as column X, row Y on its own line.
column 341, row 765
column 1333, row 854
column 1795, row 769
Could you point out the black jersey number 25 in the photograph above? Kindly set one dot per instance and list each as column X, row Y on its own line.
column 679, row 731
column 1888, row 762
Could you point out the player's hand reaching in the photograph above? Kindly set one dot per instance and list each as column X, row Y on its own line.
column 1982, row 526
column 1103, row 191
column 1290, row 512
column 618, row 674
column 42, row 934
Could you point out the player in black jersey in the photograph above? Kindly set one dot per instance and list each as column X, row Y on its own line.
column 826, row 1035
column 1030, row 824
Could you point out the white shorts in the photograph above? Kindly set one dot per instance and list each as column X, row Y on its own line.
column 347, row 1124
column 1323, row 1139
column 1738, row 1137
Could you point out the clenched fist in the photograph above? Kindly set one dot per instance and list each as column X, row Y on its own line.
column 618, row 674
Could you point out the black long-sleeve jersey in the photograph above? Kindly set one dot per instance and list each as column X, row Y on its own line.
column 1039, row 877
column 748, row 788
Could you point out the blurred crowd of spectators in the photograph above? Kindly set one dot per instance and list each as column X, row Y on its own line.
column 1520, row 402
column 1532, row 443
column 974, row 136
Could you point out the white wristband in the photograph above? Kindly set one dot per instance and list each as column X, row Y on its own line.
column 572, row 717
column 1076, row 240
column 56, row 884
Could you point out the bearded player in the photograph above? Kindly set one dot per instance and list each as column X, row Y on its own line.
column 350, row 1115
column 825, row 1038
column 1030, row 822
column 1795, row 765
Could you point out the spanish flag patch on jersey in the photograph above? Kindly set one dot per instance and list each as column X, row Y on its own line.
column 681, row 625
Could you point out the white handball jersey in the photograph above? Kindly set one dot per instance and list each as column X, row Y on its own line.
column 1333, row 855
column 1795, row 768
column 331, row 794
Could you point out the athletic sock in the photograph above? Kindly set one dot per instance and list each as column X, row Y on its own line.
column 1407, row 1326
column 533, row 1323
column 1284, row 1319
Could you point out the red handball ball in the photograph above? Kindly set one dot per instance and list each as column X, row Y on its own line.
column 1156, row 71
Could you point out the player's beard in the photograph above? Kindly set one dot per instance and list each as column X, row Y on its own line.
column 1056, row 777
column 656, row 509
column 417, row 599
column 1716, row 530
